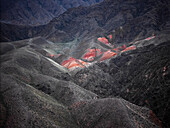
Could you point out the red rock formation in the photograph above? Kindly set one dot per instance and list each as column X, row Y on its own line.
column 72, row 62
column 90, row 54
column 129, row 48
column 103, row 40
column 108, row 54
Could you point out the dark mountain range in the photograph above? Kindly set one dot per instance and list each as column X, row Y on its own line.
column 102, row 66
column 138, row 19
column 37, row 12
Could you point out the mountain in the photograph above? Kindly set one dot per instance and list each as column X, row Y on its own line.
column 106, row 65
column 36, row 91
column 138, row 19
column 37, row 12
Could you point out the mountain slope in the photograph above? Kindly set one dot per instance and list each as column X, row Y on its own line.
column 36, row 12
column 80, row 64
column 138, row 19
column 37, row 93
column 140, row 76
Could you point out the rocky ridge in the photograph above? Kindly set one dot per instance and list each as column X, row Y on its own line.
column 139, row 19
column 37, row 12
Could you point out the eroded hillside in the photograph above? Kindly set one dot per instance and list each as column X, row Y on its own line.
column 43, row 93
